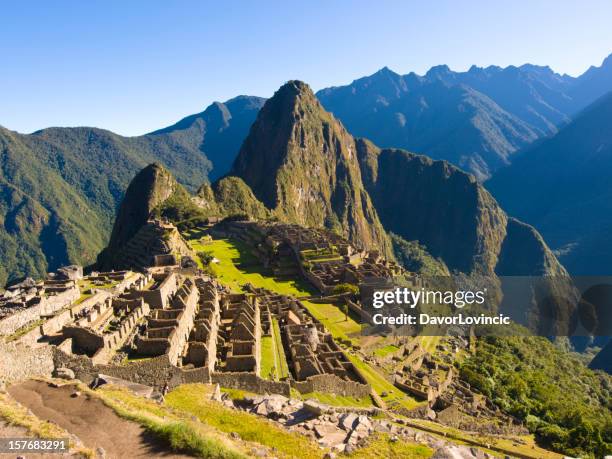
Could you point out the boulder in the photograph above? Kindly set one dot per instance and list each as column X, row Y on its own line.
column 363, row 423
column 64, row 373
column 329, row 435
column 457, row 452
column 348, row 421
column 315, row 407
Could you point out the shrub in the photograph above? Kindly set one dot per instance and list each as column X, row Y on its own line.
column 346, row 288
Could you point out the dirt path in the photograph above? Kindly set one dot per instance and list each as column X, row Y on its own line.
column 90, row 420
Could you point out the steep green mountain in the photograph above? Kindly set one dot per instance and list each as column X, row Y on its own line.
column 563, row 186
column 476, row 119
column 451, row 214
column 230, row 196
column 60, row 187
column 301, row 164
column 219, row 130
column 153, row 193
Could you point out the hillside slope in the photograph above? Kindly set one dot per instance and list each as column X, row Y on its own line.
column 563, row 187
column 60, row 187
column 218, row 131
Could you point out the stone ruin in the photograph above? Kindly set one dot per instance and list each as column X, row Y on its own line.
column 155, row 244
column 321, row 256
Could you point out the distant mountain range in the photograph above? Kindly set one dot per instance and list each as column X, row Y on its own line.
column 476, row 119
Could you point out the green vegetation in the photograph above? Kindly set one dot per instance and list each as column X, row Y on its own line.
column 346, row 288
column 190, row 398
column 523, row 445
column 380, row 384
column 415, row 258
column 180, row 209
column 338, row 400
column 238, row 266
column 280, row 360
column 268, row 358
column 565, row 404
column 60, row 187
column 382, row 446
column 385, row 350
column 333, row 318
column 178, row 431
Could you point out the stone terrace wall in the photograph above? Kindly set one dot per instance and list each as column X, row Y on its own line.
column 12, row 323
column 153, row 372
column 19, row 362
column 332, row 384
column 250, row 382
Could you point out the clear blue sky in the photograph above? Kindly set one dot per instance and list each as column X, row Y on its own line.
column 135, row 66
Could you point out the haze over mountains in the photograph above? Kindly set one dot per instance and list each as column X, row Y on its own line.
column 563, row 186
column 477, row 120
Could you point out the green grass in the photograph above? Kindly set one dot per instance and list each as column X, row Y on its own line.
column 238, row 266
column 335, row 321
column 380, row 384
column 268, row 358
column 339, row 400
column 497, row 445
column 179, row 432
column 429, row 343
column 190, row 398
column 281, row 360
column 385, row 350
column 382, row 446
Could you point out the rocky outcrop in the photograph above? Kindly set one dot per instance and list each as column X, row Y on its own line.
column 301, row 163
column 136, row 240
column 150, row 188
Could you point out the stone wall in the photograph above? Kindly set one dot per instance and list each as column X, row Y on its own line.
column 84, row 338
column 332, row 384
column 158, row 297
column 19, row 362
column 250, row 382
column 52, row 303
column 12, row 323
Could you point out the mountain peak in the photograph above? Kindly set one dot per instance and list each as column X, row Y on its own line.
column 438, row 70
column 295, row 87
column 149, row 188
column 301, row 163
